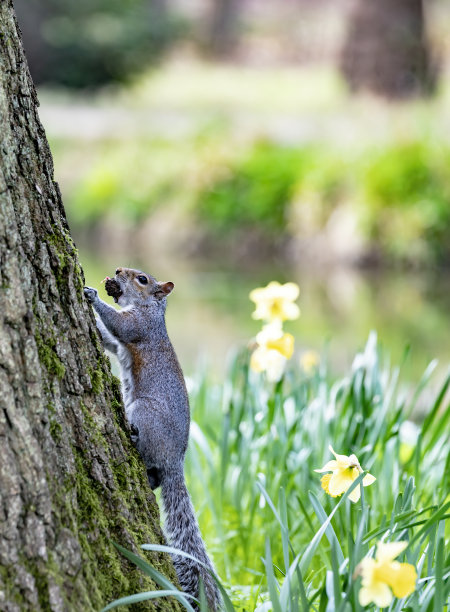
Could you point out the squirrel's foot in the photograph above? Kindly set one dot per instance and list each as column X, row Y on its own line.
column 134, row 434
column 154, row 478
column 91, row 294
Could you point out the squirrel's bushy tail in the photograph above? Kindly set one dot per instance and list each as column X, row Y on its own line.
column 182, row 531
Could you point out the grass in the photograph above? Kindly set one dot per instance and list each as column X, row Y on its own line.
column 278, row 540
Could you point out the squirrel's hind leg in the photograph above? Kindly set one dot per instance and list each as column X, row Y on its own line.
column 158, row 436
column 154, row 477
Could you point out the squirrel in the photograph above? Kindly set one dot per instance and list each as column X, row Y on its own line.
column 157, row 408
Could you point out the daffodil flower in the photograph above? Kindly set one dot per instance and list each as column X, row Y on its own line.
column 383, row 577
column 309, row 361
column 275, row 302
column 344, row 471
column 273, row 351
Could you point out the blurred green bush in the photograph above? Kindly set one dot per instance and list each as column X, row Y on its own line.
column 87, row 43
column 398, row 196
column 407, row 191
column 255, row 192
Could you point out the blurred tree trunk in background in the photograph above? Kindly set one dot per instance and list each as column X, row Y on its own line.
column 224, row 27
column 386, row 50
column 87, row 44
column 70, row 482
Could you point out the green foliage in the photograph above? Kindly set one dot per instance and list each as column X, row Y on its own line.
column 407, row 190
column 254, row 192
column 275, row 535
column 397, row 197
column 128, row 183
column 88, row 43
column 278, row 436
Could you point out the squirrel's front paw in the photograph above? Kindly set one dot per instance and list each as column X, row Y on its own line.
column 91, row 294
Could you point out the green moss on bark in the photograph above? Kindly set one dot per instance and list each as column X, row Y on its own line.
column 48, row 356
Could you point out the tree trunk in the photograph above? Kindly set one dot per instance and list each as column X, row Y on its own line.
column 70, row 482
column 386, row 49
column 223, row 28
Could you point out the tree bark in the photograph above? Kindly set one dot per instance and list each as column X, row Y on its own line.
column 386, row 50
column 71, row 484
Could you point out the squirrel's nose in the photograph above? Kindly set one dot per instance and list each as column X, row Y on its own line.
column 119, row 270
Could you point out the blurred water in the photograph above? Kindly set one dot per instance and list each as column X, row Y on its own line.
column 209, row 313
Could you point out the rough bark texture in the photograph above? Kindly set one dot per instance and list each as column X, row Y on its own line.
column 70, row 482
column 386, row 49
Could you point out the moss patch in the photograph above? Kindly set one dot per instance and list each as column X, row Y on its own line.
column 55, row 430
column 48, row 355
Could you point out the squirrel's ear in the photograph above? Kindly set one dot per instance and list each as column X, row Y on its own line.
column 164, row 289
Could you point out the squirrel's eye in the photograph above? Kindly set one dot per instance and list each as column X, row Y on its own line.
column 143, row 280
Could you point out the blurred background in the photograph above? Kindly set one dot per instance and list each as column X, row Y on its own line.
column 222, row 144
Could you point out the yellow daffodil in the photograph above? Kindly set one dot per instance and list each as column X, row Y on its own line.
column 274, row 349
column 269, row 361
column 276, row 302
column 309, row 361
column 273, row 338
column 383, row 577
column 344, row 470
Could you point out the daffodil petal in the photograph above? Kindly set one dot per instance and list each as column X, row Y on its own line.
column 388, row 551
column 257, row 360
column 366, row 567
column 271, row 331
column 275, row 366
column 378, row 592
column 339, row 482
column 368, row 480
column 355, row 494
column 328, row 467
column 257, row 294
column 403, row 579
column 343, row 460
column 365, row 596
column 290, row 291
column 273, row 288
column 290, row 311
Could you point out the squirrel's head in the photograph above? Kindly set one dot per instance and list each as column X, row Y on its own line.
column 136, row 288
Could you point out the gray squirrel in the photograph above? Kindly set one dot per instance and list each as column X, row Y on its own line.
column 157, row 408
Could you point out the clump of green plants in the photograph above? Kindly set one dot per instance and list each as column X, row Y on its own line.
column 397, row 197
column 254, row 193
column 287, row 538
column 406, row 189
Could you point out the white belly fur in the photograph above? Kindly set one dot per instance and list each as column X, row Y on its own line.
column 126, row 378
